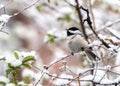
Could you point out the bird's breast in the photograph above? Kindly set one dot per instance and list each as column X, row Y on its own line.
column 77, row 44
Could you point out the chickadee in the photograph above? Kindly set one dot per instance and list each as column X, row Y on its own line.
column 77, row 43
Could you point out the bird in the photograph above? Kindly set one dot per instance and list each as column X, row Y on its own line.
column 77, row 43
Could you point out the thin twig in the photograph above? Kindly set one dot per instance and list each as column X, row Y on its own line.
column 39, row 79
column 4, row 32
column 93, row 18
column 96, row 67
column 79, row 81
column 47, row 67
column 113, row 34
column 15, row 14
column 76, row 78
column 88, row 20
column 69, row 3
column 81, row 21
column 108, row 25
column 103, row 76
column 111, row 24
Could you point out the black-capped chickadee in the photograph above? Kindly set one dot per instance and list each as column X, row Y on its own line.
column 77, row 43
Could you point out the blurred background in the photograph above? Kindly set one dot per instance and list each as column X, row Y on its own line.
column 41, row 28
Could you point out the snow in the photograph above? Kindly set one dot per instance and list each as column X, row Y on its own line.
column 4, row 79
column 88, row 77
column 100, row 73
column 37, row 76
column 79, row 71
column 9, row 58
column 1, row 57
column 28, row 73
column 16, row 63
column 102, row 36
column 106, row 81
column 22, row 84
column 113, row 47
column 4, row 18
column 63, row 81
column 117, row 80
column 1, row 6
column 10, row 84
column 25, row 54
column 108, row 67
column 95, row 43
column 97, row 79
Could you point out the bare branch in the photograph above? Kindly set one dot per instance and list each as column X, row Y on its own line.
column 15, row 14
column 88, row 20
column 111, row 24
column 47, row 67
column 91, row 11
column 81, row 74
column 81, row 21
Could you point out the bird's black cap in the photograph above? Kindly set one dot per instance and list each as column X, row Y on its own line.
column 71, row 29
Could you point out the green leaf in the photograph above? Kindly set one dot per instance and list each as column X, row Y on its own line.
column 28, row 58
column 60, row 18
column 26, row 79
column 66, row 18
column 16, row 55
column 39, row 8
column 14, row 80
column 51, row 38
column 8, row 71
column 50, row 35
column 10, row 66
column 48, row 1
column 26, row 65
column 3, row 83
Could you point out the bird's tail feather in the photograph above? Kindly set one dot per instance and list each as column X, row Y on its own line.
column 91, row 55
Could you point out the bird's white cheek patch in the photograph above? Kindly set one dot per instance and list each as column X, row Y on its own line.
column 75, row 32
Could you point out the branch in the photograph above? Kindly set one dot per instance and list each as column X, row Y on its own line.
column 113, row 34
column 111, row 24
column 81, row 21
column 47, row 67
column 15, row 14
column 91, row 11
column 69, row 3
column 88, row 20
column 81, row 74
